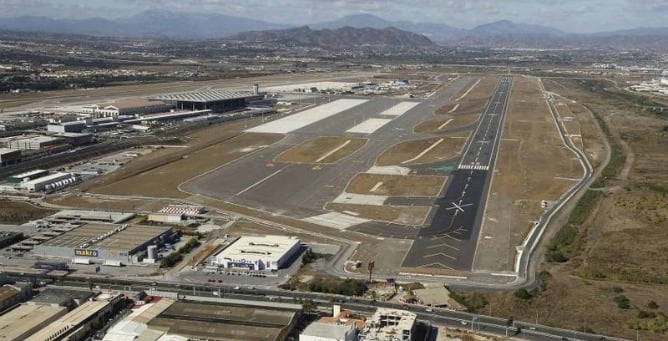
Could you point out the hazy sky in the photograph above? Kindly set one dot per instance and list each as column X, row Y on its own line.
column 568, row 15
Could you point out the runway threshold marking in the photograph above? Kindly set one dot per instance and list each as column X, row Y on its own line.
column 328, row 154
column 433, row 145
column 260, row 182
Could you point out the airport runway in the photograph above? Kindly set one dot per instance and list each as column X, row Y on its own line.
column 450, row 241
column 301, row 190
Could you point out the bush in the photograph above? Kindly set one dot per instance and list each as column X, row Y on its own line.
column 555, row 256
column 523, row 294
column 652, row 305
column 622, row 302
column 617, row 289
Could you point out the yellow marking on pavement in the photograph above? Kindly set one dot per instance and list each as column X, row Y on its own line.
column 439, row 254
column 439, row 264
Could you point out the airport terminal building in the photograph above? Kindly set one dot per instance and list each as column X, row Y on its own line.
column 258, row 253
column 216, row 100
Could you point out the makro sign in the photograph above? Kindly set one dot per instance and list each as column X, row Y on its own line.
column 85, row 253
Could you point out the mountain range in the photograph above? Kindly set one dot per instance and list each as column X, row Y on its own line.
column 338, row 38
column 173, row 25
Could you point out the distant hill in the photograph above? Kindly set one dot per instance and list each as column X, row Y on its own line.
column 153, row 24
column 435, row 32
column 339, row 38
column 507, row 27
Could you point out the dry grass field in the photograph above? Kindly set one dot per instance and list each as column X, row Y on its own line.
column 325, row 149
column 448, row 123
column 141, row 180
column 404, row 215
column 408, row 153
column 621, row 249
column 124, row 204
column 396, row 185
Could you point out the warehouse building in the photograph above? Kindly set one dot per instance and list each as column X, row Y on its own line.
column 270, row 252
column 76, row 324
column 105, row 243
column 51, row 182
column 217, row 100
column 11, row 295
column 35, row 142
column 26, row 176
column 9, row 156
column 27, row 319
column 66, row 127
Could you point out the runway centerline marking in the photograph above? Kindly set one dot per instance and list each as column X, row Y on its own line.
column 445, row 124
column 260, row 182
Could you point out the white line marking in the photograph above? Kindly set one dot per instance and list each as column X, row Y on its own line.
column 454, row 108
column 328, row 154
column 467, row 91
column 446, row 123
column 259, row 182
column 424, row 152
column 369, row 126
column 376, row 187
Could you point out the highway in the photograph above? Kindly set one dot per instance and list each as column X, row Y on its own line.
column 450, row 240
column 437, row 316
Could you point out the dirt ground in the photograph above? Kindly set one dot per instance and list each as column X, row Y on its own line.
column 405, row 151
column 454, row 122
column 317, row 150
column 175, row 172
column 404, row 215
column 532, row 165
column 621, row 249
column 396, row 185
column 13, row 212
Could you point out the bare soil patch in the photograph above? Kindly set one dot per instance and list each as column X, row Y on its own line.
column 404, row 215
column 405, row 151
column 396, row 185
column 326, row 149
column 14, row 212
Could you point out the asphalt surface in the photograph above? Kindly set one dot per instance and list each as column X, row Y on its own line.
column 450, row 241
column 302, row 190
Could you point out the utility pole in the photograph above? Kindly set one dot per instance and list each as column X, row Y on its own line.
column 370, row 267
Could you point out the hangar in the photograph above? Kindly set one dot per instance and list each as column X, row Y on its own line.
column 258, row 253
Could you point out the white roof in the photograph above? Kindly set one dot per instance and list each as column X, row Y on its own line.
column 253, row 248
column 50, row 177
column 205, row 96
column 327, row 330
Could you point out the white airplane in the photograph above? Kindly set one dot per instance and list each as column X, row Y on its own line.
column 458, row 207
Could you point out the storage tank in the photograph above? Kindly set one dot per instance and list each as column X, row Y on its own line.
column 152, row 252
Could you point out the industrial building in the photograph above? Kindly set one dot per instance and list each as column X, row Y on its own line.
column 389, row 325
column 108, row 244
column 76, row 139
column 270, row 252
column 51, row 182
column 9, row 156
column 318, row 331
column 215, row 319
column 11, row 295
column 8, row 238
column 27, row 319
column 66, row 127
column 216, row 100
column 27, row 176
column 35, row 142
column 133, row 107
column 76, row 324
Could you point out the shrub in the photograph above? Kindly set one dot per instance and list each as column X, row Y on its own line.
column 652, row 305
column 523, row 294
column 622, row 302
